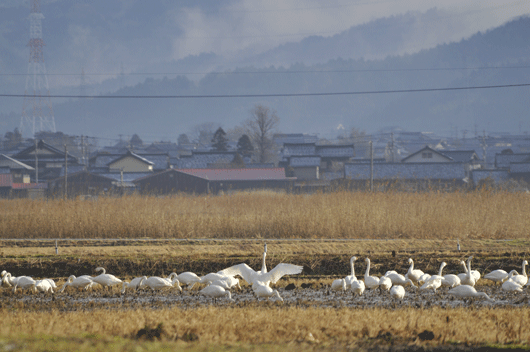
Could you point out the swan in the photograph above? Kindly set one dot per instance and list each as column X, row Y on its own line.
column 465, row 291
column 469, row 278
column 43, row 285
column 52, row 283
column 227, row 282
column 385, row 283
column 214, row 292
column 157, row 283
column 450, row 280
column 424, row 278
column 510, row 285
column 338, row 285
column 475, row 273
column 135, row 283
column 370, row 281
column 78, row 282
column 261, row 290
column 433, row 284
column 9, row 281
column 521, row 279
column 106, row 280
column 398, row 279
column 189, row 279
column 351, row 278
column 398, row 292
column 357, row 287
column 439, row 276
column 251, row 277
column 24, row 283
column 497, row 276
column 413, row 274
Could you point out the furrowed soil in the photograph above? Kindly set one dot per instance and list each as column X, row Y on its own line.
column 311, row 317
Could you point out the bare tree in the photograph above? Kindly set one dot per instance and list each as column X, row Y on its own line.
column 203, row 133
column 260, row 128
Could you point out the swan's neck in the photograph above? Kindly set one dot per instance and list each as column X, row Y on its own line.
column 524, row 269
column 441, row 268
column 411, row 266
column 469, row 267
column 263, row 265
column 464, row 265
column 352, row 268
column 367, row 273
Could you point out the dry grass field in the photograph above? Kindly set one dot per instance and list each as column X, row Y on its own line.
column 361, row 215
column 319, row 231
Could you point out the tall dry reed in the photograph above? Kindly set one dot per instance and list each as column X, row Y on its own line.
column 395, row 215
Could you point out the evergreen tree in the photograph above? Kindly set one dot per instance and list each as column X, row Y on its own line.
column 238, row 161
column 219, row 140
column 244, row 145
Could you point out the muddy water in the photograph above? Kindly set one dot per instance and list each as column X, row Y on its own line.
column 74, row 300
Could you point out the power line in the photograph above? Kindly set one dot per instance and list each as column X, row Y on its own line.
column 272, row 95
column 282, row 72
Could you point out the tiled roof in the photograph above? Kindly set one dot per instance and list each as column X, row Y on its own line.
column 13, row 163
column 426, row 148
column 337, row 151
column 5, row 170
column 305, row 161
column 238, row 174
column 159, row 161
column 460, row 156
column 387, row 171
column 331, row 175
column 290, row 149
column 72, row 170
column 504, row 160
column 281, row 138
column 201, row 160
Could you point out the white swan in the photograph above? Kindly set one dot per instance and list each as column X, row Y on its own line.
column 475, row 273
column 398, row 292
column 398, row 279
column 251, row 277
column 158, row 283
column 351, row 278
column 497, row 276
column 189, row 279
column 423, row 278
column 106, row 280
column 451, row 280
column 338, row 285
column 469, row 278
column 78, row 282
column 24, row 283
column 385, row 283
column 357, row 287
column 439, row 275
column 370, row 281
column 521, row 279
column 512, row 286
column 227, row 282
column 135, row 283
column 465, row 291
column 261, row 290
column 413, row 274
column 433, row 284
column 43, row 285
column 214, row 292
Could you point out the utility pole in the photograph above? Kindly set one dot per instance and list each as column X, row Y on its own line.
column 36, row 162
column 484, row 146
column 65, row 171
column 392, row 144
column 371, row 166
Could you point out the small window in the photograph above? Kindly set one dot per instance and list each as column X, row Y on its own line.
column 426, row 155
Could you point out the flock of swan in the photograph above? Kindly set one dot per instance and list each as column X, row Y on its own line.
column 219, row 284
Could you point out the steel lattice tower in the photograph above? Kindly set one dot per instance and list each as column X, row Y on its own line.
column 37, row 112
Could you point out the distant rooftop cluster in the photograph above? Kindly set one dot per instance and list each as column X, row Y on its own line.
column 300, row 163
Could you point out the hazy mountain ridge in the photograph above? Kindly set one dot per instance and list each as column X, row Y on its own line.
column 166, row 118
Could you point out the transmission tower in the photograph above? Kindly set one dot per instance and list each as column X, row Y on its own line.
column 37, row 112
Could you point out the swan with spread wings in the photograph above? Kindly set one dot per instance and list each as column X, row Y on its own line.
column 260, row 277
